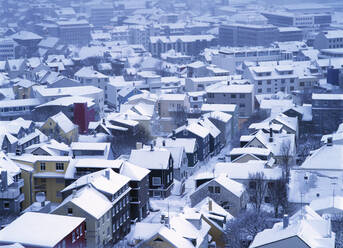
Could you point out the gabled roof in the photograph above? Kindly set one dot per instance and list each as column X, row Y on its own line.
column 63, row 122
column 134, row 172
column 189, row 144
column 194, row 128
column 158, row 159
column 89, row 200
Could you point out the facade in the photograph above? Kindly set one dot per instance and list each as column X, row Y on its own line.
column 57, row 231
column 7, row 49
column 13, row 109
column 101, row 15
column 290, row 34
column 242, row 95
column 187, row 44
column 161, row 165
column 74, row 32
column 247, row 35
column 329, row 39
column 327, row 112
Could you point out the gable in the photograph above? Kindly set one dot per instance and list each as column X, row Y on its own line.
column 255, row 142
column 245, row 158
column 40, row 151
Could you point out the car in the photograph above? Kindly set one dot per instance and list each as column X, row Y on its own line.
column 221, row 158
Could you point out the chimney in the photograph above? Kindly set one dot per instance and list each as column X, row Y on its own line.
column 186, row 123
column 285, row 221
column 74, row 193
column 210, row 208
column 139, row 145
column 163, row 143
column 329, row 141
column 174, row 135
column 270, row 134
column 4, row 184
column 103, row 121
column 107, row 174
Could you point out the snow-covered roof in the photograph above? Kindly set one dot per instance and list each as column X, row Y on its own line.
column 218, row 116
column 158, row 159
column 96, row 163
column 89, row 146
column 188, row 143
column 68, row 91
column 329, row 202
column 175, row 238
column 172, row 97
column 203, row 208
column 183, row 38
column 63, row 122
column 250, row 150
column 224, row 87
column 89, row 200
column 242, row 171
column 69, row 101
column 20, row 102
column 327, row 96
column 89, row 72
column 313, row 230
column 39, row 229
column 134, row 172
column 194, row 128
column 219, row 107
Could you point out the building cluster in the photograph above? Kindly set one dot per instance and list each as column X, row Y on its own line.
column 154, row 123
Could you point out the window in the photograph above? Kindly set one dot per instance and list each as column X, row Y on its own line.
column 302, row 83
column 269, row 81
column 292, row 88
column 217, row 190
column 267, row 199
column 70, row 211
column 77, row 233
column 233, row 95
column 210, row 189
column 156, row 181
column 269, row 90
column 73, row 237
column 242, row 105
column 81, row 231
column 241, row 95
column 292, row 80
column 59, row 166
column 259, row 82
column 259, row 91
column 108, row 231
column 42, row 167
column 6, row 205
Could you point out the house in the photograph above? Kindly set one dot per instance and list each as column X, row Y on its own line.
column 190, row 145
column 304, row 229
column 201, row 134
column 242, row 173
column 11, row 184
column 60, row 128
column 281, row 145
column 223, row 122
column 230, row 109
column 125, row 93
column 59, row 231
column 93, row 206
column 239, row 92
column 49, row 148
column 42, row 174
column 30, row 139
column 228, row 193
column 242, row 155
column 139, row 194
column 115, row 188
column 161, row 165
column 91, row 150
column 329, row 39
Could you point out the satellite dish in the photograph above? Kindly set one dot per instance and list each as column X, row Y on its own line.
column 40, row 197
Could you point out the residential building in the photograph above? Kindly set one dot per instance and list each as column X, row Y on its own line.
column 304, row 229
column 11, row 187
column 59, row 231
column 161, row 164
column 327, row 112
column 7, row 49
column 290, row 34
column 200, row 133
column 101, row 15
column 223, row 122
column 90, row 204
column 187, row 44
column 247, row 35
column 91, row 150
column 74, row 32
column 241, row 94
column 226, row 192
column 329, row 39
column 60, row 128
column 13, row 109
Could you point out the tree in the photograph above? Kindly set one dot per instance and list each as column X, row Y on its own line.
column 240, row 231
column 277, row 191
column 286, row 159
column 337, row 227
column 257, row 189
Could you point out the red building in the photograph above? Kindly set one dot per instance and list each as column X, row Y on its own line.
column 45, row 230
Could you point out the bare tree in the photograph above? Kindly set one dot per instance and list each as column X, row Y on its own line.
column 286, row 159
column 257, row 189
column 241, row 230
column 277, row 191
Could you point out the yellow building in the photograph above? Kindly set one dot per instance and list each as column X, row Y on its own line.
column 42, row 174
column 60, row 128
column 23, row 89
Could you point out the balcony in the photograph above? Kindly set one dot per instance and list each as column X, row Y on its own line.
column 10, row 193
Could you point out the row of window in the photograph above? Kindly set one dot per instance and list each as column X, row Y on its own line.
column 58, row 166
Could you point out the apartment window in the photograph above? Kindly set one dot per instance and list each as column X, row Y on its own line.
column 217, row 190
column 242, row 105
column 233, row 95
column 6, row 205
column 81, row 230
column 42, row 167
column 292, row 80
column 59, row 166
column 210, row 189
column 156, row 181
column 292, row 88
column 283, row 81
column 241, row 95
column 302, row 83
column 210, row 95
column 108, row 231
column 108, row 215
column 70, row 211
column 269, row 90
column 259, row 91
column 259, row 82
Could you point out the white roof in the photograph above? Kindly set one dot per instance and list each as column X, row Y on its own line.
column 218, row 107
column 219, row 116
column 134, row 172
column 39, row 229
column 89, row 146
column 90, row 200
column 88, row 72
column 203, row 207
column 188, row 143
column 96, row 163
column 242, row 171
column 223, row 87
column 172, row 97
column 327, row 96
column 234, row 187
column 328, row 202
column 68, row 91
column 68, row 101
column 194, row 128
column 63, row 122
column 175, row 238
column 20, row 102
column 157, row 159
column 250, row 150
